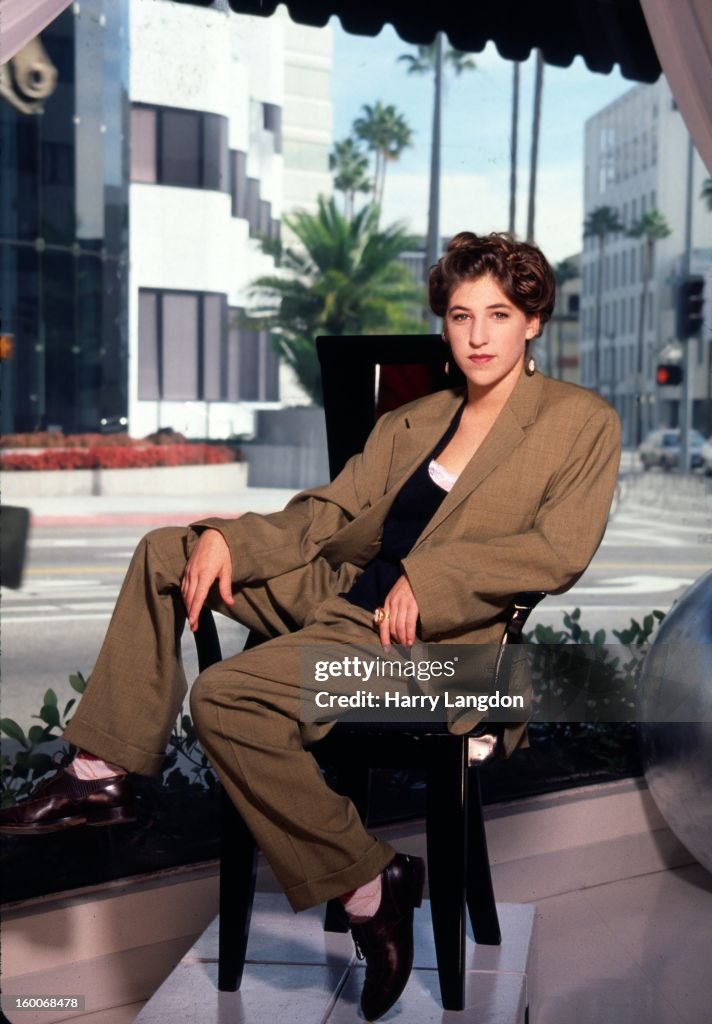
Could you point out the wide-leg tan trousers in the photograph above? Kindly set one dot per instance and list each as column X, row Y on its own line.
column 245, row 709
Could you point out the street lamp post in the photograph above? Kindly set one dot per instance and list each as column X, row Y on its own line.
column 686, row 402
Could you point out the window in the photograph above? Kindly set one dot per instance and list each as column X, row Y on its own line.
column 238, row 182
column 272, row 121
column 170, row 146
column 180, row 148
column 253, row 205
column 182, row 343
column 252, row 373
column 143, row 144
column 149, row 353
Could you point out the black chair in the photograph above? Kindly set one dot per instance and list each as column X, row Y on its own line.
column 361, row 377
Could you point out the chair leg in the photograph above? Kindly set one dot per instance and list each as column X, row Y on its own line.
column 238, row 873
column 335, row 917
column 480, row 893
column 446, row 832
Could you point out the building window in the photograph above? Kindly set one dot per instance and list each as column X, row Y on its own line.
column 252, row 373
column 238, row 183
column 170, row 146
column 182, row 346
column 143, row 144
column 272, row 122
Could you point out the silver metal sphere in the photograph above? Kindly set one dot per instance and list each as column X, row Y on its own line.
column 677, row 754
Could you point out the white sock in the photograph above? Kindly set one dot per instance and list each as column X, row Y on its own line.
column 364, row 901
column 91, row 767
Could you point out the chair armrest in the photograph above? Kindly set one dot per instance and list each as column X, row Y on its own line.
column 522, row 606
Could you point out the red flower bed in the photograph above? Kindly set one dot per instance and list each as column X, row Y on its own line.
column 119, row 457
column 45, row 439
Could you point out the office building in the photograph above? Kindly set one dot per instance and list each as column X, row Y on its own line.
column 636, row 153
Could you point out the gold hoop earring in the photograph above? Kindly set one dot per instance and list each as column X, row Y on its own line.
column 530, row 366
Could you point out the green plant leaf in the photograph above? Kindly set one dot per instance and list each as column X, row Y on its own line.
column 78, row 682
column 50, row 698
column 50, row 714
column 68, row 707
column 36, row 734
column 40, row 764
column 10, row 727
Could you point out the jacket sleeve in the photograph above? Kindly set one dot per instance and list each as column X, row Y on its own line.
column 476, row 580
column 265, row 546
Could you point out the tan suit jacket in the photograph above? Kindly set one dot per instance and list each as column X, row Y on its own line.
column 527, row 513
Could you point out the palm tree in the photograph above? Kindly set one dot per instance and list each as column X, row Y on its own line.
column 430, row 60
column 513, row 148
column 600, row 223
column 351, row 172
column 564, row 270
column 706, row 192
column 386, row 134
column 344, row 278
column 534, row 158
column 651, row 227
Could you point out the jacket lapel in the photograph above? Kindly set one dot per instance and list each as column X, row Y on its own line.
column 419, row 432
column 507, row 432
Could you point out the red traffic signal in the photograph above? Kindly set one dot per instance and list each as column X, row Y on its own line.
column 668, row 374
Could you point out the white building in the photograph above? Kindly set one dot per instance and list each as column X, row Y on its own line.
column 636, row 160
column 208, row 96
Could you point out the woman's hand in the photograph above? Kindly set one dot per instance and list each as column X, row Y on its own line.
column 401, row 615
column 209, row 561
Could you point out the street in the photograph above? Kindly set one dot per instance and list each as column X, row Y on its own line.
column 659, row 540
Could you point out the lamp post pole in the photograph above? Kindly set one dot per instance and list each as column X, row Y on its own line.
column 686, row 398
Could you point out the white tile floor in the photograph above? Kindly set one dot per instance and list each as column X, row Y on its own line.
column 298, row 973
column 636, row 950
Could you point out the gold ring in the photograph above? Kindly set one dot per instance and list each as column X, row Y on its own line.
column 380, row 615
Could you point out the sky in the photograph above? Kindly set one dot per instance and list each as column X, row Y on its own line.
column 476, row 137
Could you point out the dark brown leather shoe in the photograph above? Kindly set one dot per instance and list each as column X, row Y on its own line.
column 385, row 941
column 64, row 801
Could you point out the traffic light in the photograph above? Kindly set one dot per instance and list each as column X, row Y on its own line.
column 7, row 346
column 690, row 300
column 668, row 374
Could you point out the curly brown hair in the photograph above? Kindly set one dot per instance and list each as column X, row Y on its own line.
column 520, row 268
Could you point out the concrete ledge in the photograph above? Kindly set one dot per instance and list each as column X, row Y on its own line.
column 539, row 847
column 221, row 479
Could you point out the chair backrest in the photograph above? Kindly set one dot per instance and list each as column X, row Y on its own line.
column 365, row 376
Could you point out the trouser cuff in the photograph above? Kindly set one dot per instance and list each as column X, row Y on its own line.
column 111, row 748
column 327, row 887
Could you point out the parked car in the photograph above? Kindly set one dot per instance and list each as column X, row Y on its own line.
column 706, row 456
column 662, row 448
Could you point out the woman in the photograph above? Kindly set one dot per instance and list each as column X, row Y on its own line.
column 457, row 503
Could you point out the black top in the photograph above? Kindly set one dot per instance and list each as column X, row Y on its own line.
column 414, row 506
